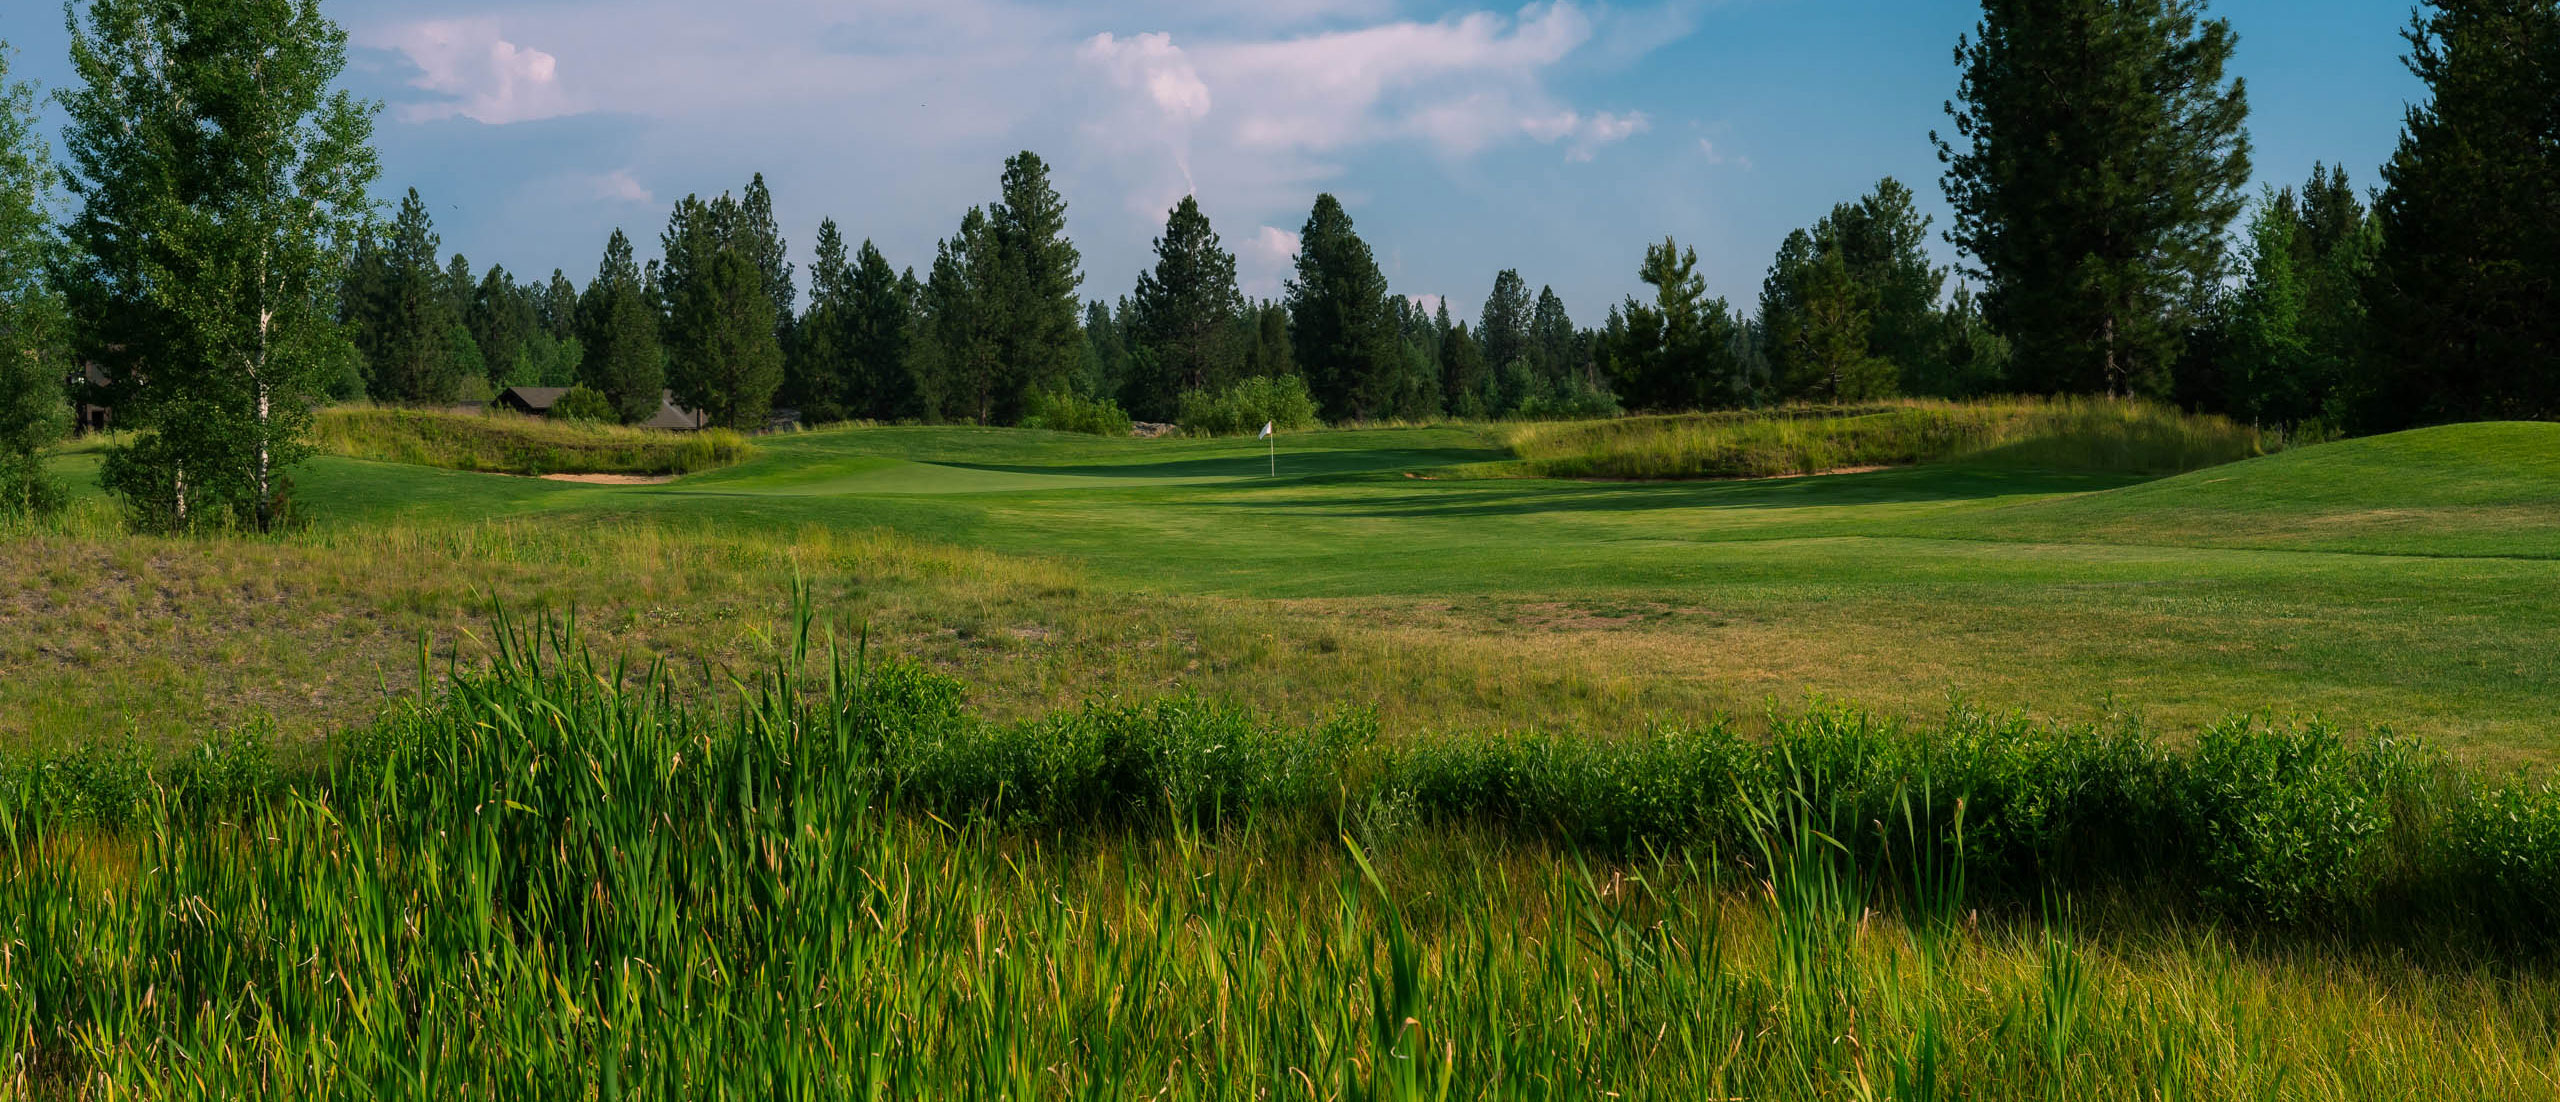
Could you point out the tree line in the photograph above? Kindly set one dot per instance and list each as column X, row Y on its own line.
column 225, row 269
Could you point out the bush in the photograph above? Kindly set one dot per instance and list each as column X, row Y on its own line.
column 1065, row 412
column 1278, row 400
column 1577, row 404
column 2285, row 820
column 26, row 489
column 585, row 405
column 1672, row 784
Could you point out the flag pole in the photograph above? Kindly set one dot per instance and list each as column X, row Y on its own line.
column 1271, row 444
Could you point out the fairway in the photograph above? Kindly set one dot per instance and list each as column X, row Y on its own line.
column 2400, row 582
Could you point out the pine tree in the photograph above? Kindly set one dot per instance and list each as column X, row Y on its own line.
column 2268, row 361
column 1677, row 351
column 2466, row 289
column 560, row 307
column 403, row 330
column 1106, row 352
column 34, row 359
column 460, row 284
column 1968, row 358
column 1503, row 331
column 817, row 372
column 1340, row 330
column 1824, row 346
column 1267, row 351
column 883, row 309
column 1556, row 349
column 2103, row 156
column 761, row 237
column 1181, row 317
column 723, row 358
column 618, row 329
column 1039, row 340
column 503, row 319
column 1463, row 377
column 958, row 357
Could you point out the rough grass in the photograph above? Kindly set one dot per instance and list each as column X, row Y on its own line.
column 547, row 881
column 503, row 442
column 1046, row 568
column 2075, row 434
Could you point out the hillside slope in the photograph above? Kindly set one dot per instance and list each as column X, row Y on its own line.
column 2487, row 489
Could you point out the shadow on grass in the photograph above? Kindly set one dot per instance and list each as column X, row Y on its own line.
column 1297, row 466
column 1424, row 498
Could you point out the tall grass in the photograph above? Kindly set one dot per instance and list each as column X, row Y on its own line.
column 560, row 877
column 502, row 442
column 2083, row 434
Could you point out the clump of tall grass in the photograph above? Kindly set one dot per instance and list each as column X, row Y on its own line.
column 561, row 876
column 503, row 442
column 2080, row 434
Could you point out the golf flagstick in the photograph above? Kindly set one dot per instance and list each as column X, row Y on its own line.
column 1272, row 447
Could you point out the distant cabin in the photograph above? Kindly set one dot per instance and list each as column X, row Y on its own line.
column 90, row 404
column 538, row 400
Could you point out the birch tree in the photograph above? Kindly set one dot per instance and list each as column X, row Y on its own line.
column 221, row 184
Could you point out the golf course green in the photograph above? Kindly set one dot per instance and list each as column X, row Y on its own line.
column 2403, row 583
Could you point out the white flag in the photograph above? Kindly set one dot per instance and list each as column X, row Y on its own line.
column 1266, row 431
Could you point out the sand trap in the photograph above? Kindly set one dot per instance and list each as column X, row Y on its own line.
column 611, row 479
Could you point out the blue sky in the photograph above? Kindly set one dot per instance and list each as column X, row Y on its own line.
column 1557, row 138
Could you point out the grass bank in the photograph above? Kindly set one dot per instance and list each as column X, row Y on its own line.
column 501, row 442
column 558, row 878
column 2074, row 434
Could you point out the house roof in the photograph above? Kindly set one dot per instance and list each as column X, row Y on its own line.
column 535, row 398
column 672, row 416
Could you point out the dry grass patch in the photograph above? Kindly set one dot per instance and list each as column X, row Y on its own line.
column 2137, row 437
column 503, row 442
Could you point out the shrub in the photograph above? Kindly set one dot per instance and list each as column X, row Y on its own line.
column 582, row 404
column 1580, row 403
column 2285, row 819
column 1671, row 785
column 1244, row 407
column 26, row 489
column 1065, row 412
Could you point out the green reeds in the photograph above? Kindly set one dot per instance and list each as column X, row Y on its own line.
column 562, row 877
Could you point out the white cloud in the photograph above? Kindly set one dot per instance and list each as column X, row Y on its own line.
column 1265, row 259
column 1429, row 304
column 1152, row 63
column 621, row 185
column 480, row 75
column 1274, row 245
column 1717, row 156
column 1460, row 83
column 1606, row 129
column 893, row 115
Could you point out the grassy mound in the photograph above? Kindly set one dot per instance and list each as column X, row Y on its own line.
column 509, row 443
column 2131, row 437
column 2485, row 489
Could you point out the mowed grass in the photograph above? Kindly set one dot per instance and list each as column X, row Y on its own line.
column 2397, row 582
